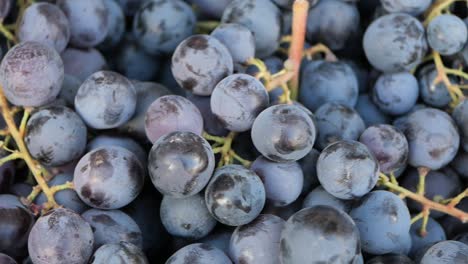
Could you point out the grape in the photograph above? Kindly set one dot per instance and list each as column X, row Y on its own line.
column 81, row 63
column 199, row 253
column 104, row 167
column 446, row 252
column 31, row 74
column 460, row 164
column 7, row 173
column 186, row 217
column 44, row 23
column 395, row 42
column 130, row 7
column 362, row 74
column 69, row 239
column 15, row 223
column 116, row 24
column 308, row 166
column 370, row 112
column 235, row 195
column 319, row 234
column 5, row 7
column 88, row 20
column 453, row 226
column 447, row 34
column 283, row 133
column 211, row 124
column 436, row 96
column 258, row 241
column 390, row 259
column 106, row 100
column 460, row 115
column 323, row 82
column 5, row 259
column 119, row 253
column 261, row 17
column 388, row 145
column 200, row 62
column 333, row 23
column 113, row 226
column 180, row 164
column 412, row 7
column 337, row 122
column 319, row 196
column 21, row 189
column 395, row 93
column 55, row 135
column 211, row 8
column 66, row 198
column 462, row 238
column 432, row 137
column 289, row 3
column 237, row 100
column 435, row 233
column 282, row 180
column 70, row 87
column 167, row 78
column 172, row 113
column 347, row 169
column 219, row 239
column 160, row 25
column 238, row 40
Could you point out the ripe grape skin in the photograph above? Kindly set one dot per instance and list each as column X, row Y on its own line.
column 460, row 164
column 337, row 122
column 383, row 221
column 395, row 43
column 119, row 253
column 237, row 100
column 261, row 17
column 7, row 173
column 130, row 7
column 5, row 259
column 104, row 167
column 70, row 87
column 412, row 7
column 81, row 63
column 308, row 166
column 160, row 25
column 106, row 100
column 55, row 135
column 69, row 239
column 370, row 112
column 447, row 34
column 219, row 238
column 333, row 23
column 31, row 74
column 319, row 196
column 460, row 115
column 390, row 259
column 211, row 124
column 445, row 252
column 302, row 237
column 395, row 93
column 200, row 62
column 5, row 7
column 347, row 169
column 199, row 253
column 172, row 113
column 283, row 133
column 283, row 181
column 388, row 145
column 435, row 233
column 323, row 82
column 235, row 195
column 88, row 21
column 112, row 226
column 258, row 241
column 238, row 39
column 186, row 217
column 116, row 24
column 432, row 137
column 44, row 23
column 463, row 237
column 438, row 96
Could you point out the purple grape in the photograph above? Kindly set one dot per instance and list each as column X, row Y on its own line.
column 238, row 39
column 5, row 259
column 81, row 63
column 116, row 24
column 319, row 196
column 211, row 123
column 447, row 34
column 119, row 253
column 199, row 253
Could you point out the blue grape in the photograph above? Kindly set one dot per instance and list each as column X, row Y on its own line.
column 116, row 24
column 31, row 74
column 463, row 237
column 211, row 124
column 104, row 167
column 130, row 7
column 395, row 93
column 395, row 43
column 261, row 17
column 119, row 253
column 362, row 74
column 390, row 259
column 69, row 238
column 21, row 189
column 384, row 223
column 258, row 241
column 308, row 166
column 112, row 226
column 370, row 112
column 412, row 7
column 445, row 252
column 323, row 82
column 81, row 63
column 436, row 96
column 238, row 40
column 167, row 78
column 447, row 34
column 435, row 233
column 55, row 135
column 337, row 122
column 282, row 180
column 199, row 253
column 302, row 239
column 333, row 23
column 211, row 8
column 172, row 113
column 235, row 195
column 283, row 133
column 460, row 164
column 388, row 145
column 5, row 259
column 88, row 20
column 44, row 23
column 347, row 169
column 106, row 100
column 219, row 238
column 460, row 115
column 5, row 7
column 453, row 226
column 284, row 211
column 200, row 62
column 319, row 196
column 237, row 100
column 7, row 173
column 70, row 87
column 186, row 217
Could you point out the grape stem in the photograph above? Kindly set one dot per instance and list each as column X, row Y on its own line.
column 320, row 48
column 228, row 155
column 454, row 90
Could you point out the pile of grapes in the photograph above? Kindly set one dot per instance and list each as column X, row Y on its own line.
column 233, row 131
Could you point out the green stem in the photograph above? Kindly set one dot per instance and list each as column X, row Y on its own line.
column 7, row 34
column 12, row 156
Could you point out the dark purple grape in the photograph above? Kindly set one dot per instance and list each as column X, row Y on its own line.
column 199, row 253
column 445, row 252
column 116, row 24
column 460, row 164
column 5, row 259
column 7, row 173
column 319, row 196
column 238, row 39
column 119, row 253
column 435, row 233
column 463, row 237
column 5, row 7
column 219, row 238
column 447, row 34
column 412, row 7
column 21, row 189
column 211, row 8
column 130, row 7
column 370, row 112
column 81, row 63
column 211, row 124
column 460, row 115
column 70, row 87
column 309, row 170
column 453, row 226
column 390, row 259
column 435, row 96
